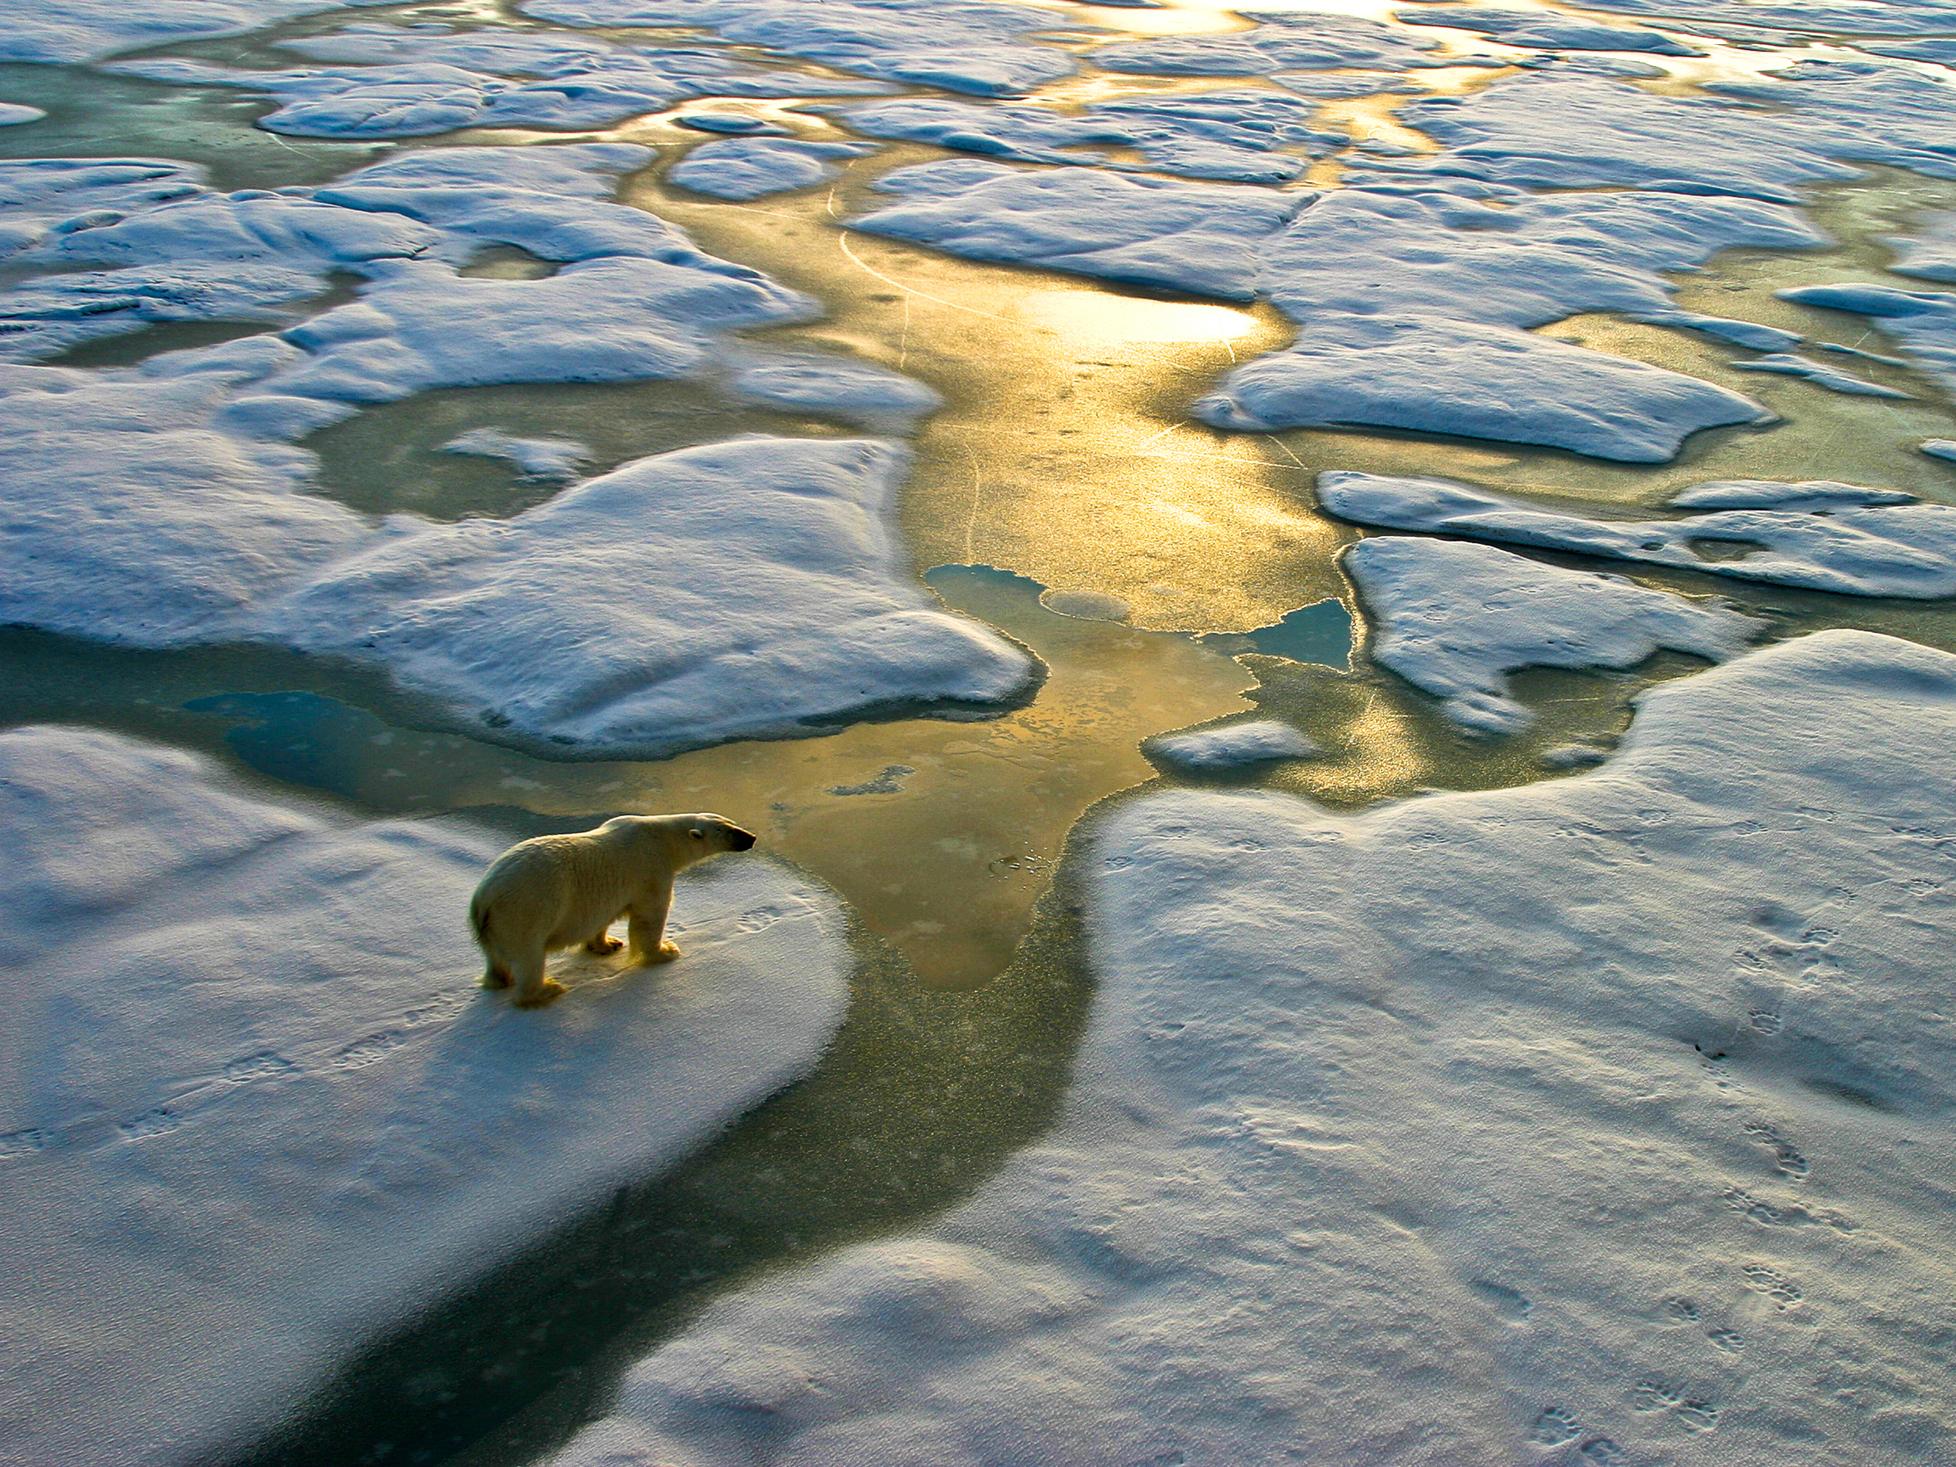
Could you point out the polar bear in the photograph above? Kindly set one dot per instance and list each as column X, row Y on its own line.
column 561, row 891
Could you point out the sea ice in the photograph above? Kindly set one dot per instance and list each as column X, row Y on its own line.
column 1454, row 619
column 552, row 460
column 1213, row 135
column 1140, row 231
column 1800, row 538
column 1439, row 376
column 1230, row 746
column 1313, row 41
column 1592, row 1116
column 1821, row 374
column 1923, row 322
column 753, row 168
column 783, row 604
column 980, row 46
column 1929, row 254
column 255, row 1111
column 1940, row 448
column 13, row 114
column 1561, row 129
column 85, row 30
column 1545, row 30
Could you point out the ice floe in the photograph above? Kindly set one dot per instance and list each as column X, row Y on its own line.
column 1454, row 619
column 1312, row 41
column 1545, row 30
column 1140, row 231
column 85, row 30
column 255, row 1111
column 1230, row 746
column 753, row 168
column 1594, row 1116
column 553, row 460
column 1797, row 535
column 1922, row 322
column 1437, row 376
column 1821, row 374
column 1930, row 253
column 978, row 46
column 1227, row 136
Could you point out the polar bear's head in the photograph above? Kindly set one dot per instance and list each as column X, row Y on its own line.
column 712, row 834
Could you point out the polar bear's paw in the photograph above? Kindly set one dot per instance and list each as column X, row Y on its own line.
column 604, row 944
column 668, row 950
column 495, row 978
column 545, row 992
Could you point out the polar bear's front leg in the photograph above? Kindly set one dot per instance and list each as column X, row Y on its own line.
column 648, row 925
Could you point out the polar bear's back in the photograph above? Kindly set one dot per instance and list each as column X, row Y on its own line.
column 559, row 889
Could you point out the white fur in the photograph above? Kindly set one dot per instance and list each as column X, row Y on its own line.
column 559, row 891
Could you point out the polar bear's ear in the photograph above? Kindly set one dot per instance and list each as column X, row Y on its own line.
column 697, row 833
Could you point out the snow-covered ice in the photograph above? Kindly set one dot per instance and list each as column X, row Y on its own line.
column 1783, row 536
column 1940, row 448
column 985, row 47
column 1225, row 135
column 84, row 30
column 1231, row 746
column 753, row 168
column 1929, row 253
column 1311, row 41
column 1438, row 376
column 1454, row 619
column 1545, row 30
column 1599, row 1117
column 1142, row 231
column 528, row 79
column 13, row 114
column 548, row 459
column 1820, row 374
column 255, row 1111
column 1922, row 322
column 783, row 603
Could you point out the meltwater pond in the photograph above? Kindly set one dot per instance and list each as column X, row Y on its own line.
column 1052, row 369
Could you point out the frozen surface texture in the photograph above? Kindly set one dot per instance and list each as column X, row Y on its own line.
column 253, row 1109
column 1781, row 533
column 1230, row 135
column 1232, row 746
column 1601, row 1116
column 83, row 30
column 1309, row 41
column 1454, row 619
column 1437, row 376
column 753, row 168
column 735, row 590
column 412, row 81
column 548, row 459
column 1545, row 30
column 1141, row 231
column 1921, row 322
column 985, row 47
column 165, row 504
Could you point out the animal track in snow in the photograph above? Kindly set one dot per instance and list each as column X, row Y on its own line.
column 1781, row 1214
column 1783, row 1291
column 1513, row 1305
column 158, row 1122
column 370, row 1050
column 1786, row 1156
column 261, row 1066
column 1728, row 1340
column 1554, row 1427
column 1690, row 1412
column 1601, row 1451
column 1681, row 1309
column 25, row 1142
column 1764, row 1021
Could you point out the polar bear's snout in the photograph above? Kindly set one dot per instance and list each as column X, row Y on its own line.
column 741, row 840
